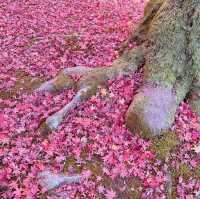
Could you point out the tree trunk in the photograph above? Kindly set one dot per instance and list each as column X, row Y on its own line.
column 168, row 40
column 172, row 63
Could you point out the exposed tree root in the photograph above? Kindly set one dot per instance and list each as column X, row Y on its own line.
column 54, row 120
column 57, row 84
column 170, row 53
column 87, row 85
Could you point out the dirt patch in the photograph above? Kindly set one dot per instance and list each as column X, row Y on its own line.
column 24, row 84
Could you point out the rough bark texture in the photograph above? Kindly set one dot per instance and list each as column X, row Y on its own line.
column 168, row 39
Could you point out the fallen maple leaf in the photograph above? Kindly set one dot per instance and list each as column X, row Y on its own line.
column 189, row 197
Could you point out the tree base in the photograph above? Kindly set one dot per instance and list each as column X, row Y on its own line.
column 168, row 46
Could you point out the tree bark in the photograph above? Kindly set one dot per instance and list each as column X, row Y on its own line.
column 168, row 40
column 171, row 70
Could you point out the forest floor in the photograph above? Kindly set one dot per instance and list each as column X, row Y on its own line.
column 37, row 40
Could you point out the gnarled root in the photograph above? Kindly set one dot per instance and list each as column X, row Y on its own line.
column 87, row 84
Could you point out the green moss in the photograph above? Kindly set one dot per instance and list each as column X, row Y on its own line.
column 107, row 182
column 146, row 135
column 46, row 195
column 164, row 76
column 70, row 161
column 162, row 146
column 195, row 105
column 174, row 194
column 32, row 41
column 185, row 171
column 94, row 166
column 170, row 77
column 43, row 196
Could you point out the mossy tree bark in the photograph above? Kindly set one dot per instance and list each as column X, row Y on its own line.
column 168, row 40
column 171, row 49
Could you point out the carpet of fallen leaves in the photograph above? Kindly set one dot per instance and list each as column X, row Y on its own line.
column 39, row 38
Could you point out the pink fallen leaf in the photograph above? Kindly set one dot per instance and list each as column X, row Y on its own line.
column 3, row 121
column 101, row 189
column 110, row 194
column 86, row 174
column 189, row 197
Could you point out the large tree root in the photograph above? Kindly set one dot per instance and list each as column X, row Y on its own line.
column 87, row 85
column 168, row 46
